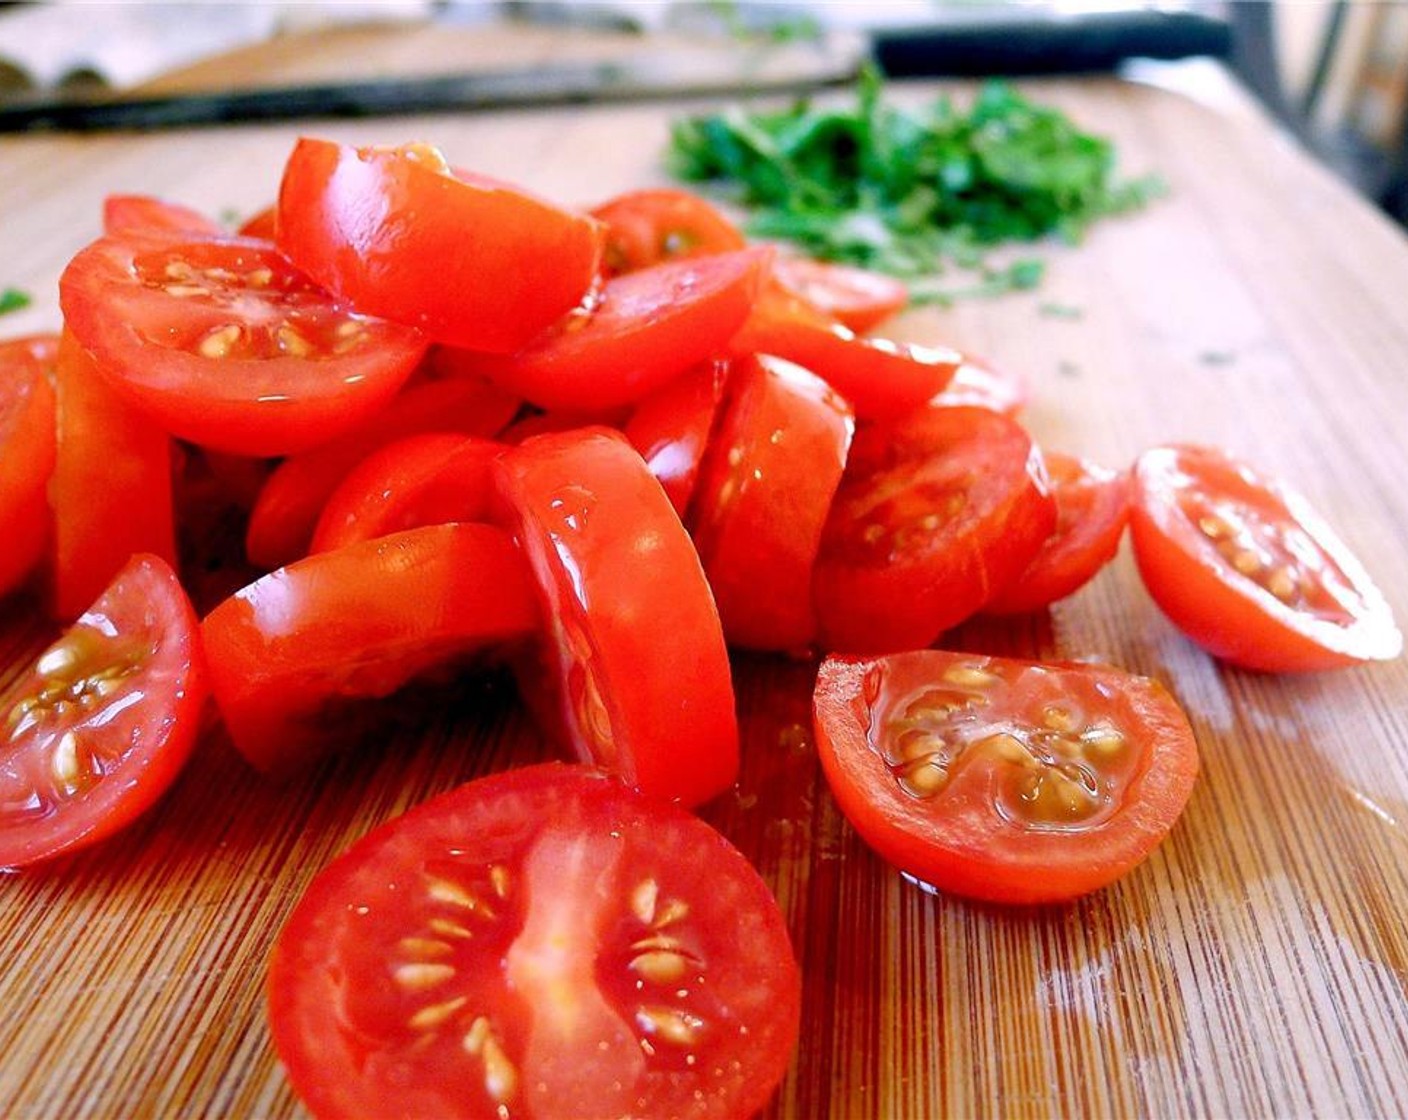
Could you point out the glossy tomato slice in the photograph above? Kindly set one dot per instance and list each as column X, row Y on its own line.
column 104, row 720
column 469, row 260
column 26, row 454
column 643, row 330
column 1004, row 780
column 1248, row 570
column 672, row 426
column 1092, row 509
column 540, row 943
column 293, row 653
column 936, row 513
column 637, row 675
column 978, row 383
column 764, row 495
column 649, row 227
column 263, row 225
column 855, row 297
column 224, row 343
column 127, row 213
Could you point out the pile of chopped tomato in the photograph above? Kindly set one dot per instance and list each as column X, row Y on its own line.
column 466, row 425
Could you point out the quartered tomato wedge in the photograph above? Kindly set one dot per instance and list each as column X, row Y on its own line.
column 936, row 513
column 1092, row 509
column 649, row 227
column 980, row 384
column 541, row 943
column 767, row 484
column 637, row 675
column 1248, row 570
column 1003, row 780
column 135, row 213
column 469, row 260
column 224, row 343
column 26, row 453
column 293, row 654
column 103, row 722
column 264, row 225
column 672, row 426
column 855, row 297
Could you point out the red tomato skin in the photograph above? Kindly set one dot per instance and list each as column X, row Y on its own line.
column 148, row 728
column 1230, row 615
column 27, row 451
column 978, row 383
column 648, row 227
column 125, row 213
column 671, row 428
column 637, row 677
column 263, row 225
column 966, row 845
column 470, row 261
column 766, row 488
column 857, row 298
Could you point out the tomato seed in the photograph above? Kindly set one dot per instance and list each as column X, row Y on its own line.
column 417, row 976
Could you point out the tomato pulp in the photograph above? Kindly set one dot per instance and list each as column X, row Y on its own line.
column 27, row 450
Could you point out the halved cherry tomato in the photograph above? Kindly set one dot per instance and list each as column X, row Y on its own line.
column 543, row 943
column 1244, row 566
column 428, row 479
column 936, row 513
column 1003, row 780
column 649, row 227
column 224, row 343
column 765, row 490
column 637, row 672
column 111, row 487
column 671, row 428
column 134, row 213
column 1092, row 509
column 979, row 384
column 104, row 720
column 855, row 297
column 469, row 260
column 263, row 225
column 645, row 329
column 358, row 624
column 26, row 454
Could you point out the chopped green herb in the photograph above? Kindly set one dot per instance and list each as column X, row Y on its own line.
column 12, row 299
column 1060, row 311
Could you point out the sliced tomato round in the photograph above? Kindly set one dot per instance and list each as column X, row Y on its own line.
column 855, row 297
column 767, row 484
column 1243, row 566
column 104, row 720
column 1092, row 509
column 977, row 383
column 658, row 224
column 935, row 514
column 135, row 213
column 293, row 655
column 671, row 428
column 469, row 260
column 27, row 450
column 643, row 330
column 543, row 943
column 1003, row 780
column 636, row 675
column 224, row 343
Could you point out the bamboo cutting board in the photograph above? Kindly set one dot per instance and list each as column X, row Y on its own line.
column 1256, row 965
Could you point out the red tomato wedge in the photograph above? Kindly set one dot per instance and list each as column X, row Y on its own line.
column 421, row 480
column 882, row 379
column 1092, row 509
column 638, row 676
column 936, row 513
column 1243, row 566
column 263, row 225
column 223, row 343
column 542, row 943
column 469, row 260
column 649, row 227
column 979, row 384
column 357, row 624
column 1003, row 780
column 764, row 494
column 643, row 330
column 27, row 450
column 134, row 213
column 104, row 720
column 111, row 488
column 672, row 426
column 855, row 297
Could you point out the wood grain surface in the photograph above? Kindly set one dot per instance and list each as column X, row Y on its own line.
column 1257, row 965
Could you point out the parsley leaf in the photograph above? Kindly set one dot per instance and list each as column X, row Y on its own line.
column 12, row 299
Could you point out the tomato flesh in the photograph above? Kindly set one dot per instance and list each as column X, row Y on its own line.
column 671, row 428
column 27, row 450
column 855, row 297
column 1003, row 780
column 649, row 227
column 126, row 213
column 979, row 384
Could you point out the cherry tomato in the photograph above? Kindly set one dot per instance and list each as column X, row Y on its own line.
column 357, row 624
column 111, row 488
column 979, row 384
column 645, row 329
column 543, row 943
column 671, row 428
column 855, row 297
column 1003, row 780
column 263, row 225
column 935, row 514
column 104, row 720
column 637, row 675
column 767, row 484
column 469, row 260
column 649, row 227
column 225, row 344
column 428, row 479
column 1243, row 566
column 27, row 454
column 127, row 213
column 1092, row 509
